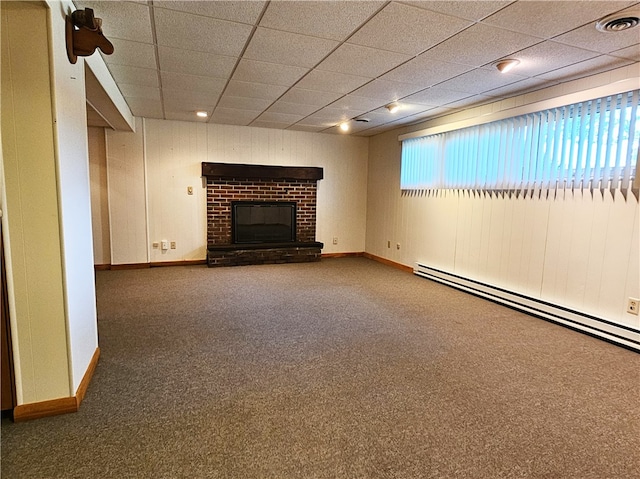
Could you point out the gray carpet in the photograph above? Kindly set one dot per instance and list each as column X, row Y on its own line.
column 340, row 369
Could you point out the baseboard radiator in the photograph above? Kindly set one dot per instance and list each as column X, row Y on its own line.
column 623, row 335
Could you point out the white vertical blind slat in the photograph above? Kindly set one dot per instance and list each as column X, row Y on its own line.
column 588, row 144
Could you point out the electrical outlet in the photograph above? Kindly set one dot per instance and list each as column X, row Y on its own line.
column 189, row 190
column 335, row 240
column 397, row 245
column 156, row 245
column 165, row 245
column 388, row 244
column 632, row 305
column 173, row 245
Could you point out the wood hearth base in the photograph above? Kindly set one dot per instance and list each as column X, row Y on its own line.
column 263, row 253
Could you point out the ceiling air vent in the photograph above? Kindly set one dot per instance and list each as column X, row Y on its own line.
column 619, row 22
column 363, row 120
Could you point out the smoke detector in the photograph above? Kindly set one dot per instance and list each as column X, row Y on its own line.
column 619, row 22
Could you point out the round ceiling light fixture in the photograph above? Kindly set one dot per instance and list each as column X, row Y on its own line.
column 619, row 22
column 344, row 126
column 202, row 114
column 392, row 107
column 506, row 65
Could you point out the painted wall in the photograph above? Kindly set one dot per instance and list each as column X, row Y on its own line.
column 31, row 220
column 74, row 195
column 46, row 205
column 149, row 172
column 576, row 250
column 99, row 199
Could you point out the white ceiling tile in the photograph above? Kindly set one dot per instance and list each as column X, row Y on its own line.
column 630, row 53
column 124, row 20
column 309, row 128
column 254, row 90
column 243, row 103
column 589, row 67
column 352, row 102
column 425, row 71
column 387, row 90
column 243, row 12
column 474, row 100
column 481, row 44
column 405, row 109
column 134, row 75
column 309, row 97
column 279, row 117
column 362, row 61
column 146, row 108
column 287, row 48
column 195, row 63
column 184, row 116
column 548, row 56
column 522, row 86
column 135, row 54
column 332, row 20
column 292, row 108
column 461, row 9
column 436, row 96
column 549, row 18
column 178, row 100
column 406, row 29
column 175, row 81
column 331, row 81
column 233, row 117
column 589, row 38
column 139, row 91
column 269, row 124
column 195, row 32
column 329, row 115
column 271, row 73
column 479, row 80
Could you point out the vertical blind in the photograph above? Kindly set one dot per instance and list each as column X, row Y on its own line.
column 587, row 145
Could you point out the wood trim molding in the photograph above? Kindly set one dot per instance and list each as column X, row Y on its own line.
column 37, row 410
column 186, row 262
column 233, row 170
column 388, row 262
column 131, row 266
column 88, row 374
column 54, row 407
column 342, row 255
column 153, row 264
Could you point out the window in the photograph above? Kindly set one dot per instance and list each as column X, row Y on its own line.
column 587, row 145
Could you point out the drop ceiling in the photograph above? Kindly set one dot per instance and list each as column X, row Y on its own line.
column 311, row 65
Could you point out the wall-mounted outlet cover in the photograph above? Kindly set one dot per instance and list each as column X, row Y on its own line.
column 397, row 245
column 388, row 244
column 173, row 245
column 632, row 305
column 335, row 240
column 155, row 245
column 189, row 190
column 165, row 245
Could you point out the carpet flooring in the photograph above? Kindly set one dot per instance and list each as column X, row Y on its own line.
column 345, row 368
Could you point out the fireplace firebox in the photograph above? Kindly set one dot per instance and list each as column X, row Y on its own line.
column 263, row 222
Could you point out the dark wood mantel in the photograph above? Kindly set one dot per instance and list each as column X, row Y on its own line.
column 231, row 170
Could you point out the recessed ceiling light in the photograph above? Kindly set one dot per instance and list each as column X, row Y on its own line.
column 392, row 107
column 202, row 114
column 344, row 126
column 619, row 22
column 506, row 65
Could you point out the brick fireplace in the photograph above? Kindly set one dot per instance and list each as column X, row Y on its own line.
column 258, row 184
